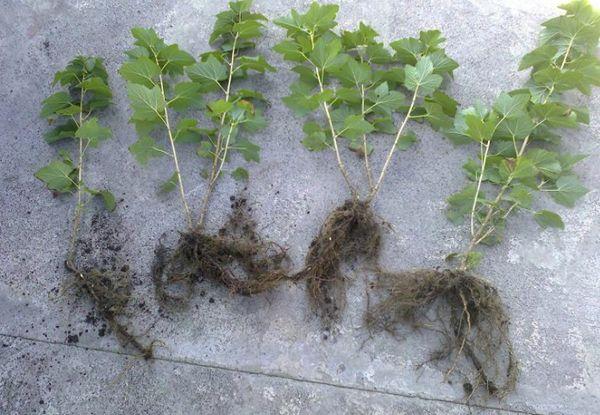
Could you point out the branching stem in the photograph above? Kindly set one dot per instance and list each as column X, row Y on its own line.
column 220, row 150
column 393, row 147
column 334, row 136
column 481, row 233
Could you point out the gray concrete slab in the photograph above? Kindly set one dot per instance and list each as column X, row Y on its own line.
column 229, row 355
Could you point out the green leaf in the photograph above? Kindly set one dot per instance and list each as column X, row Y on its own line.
column 220, row 106
column 59, row 176
column 384, row 100
column 406, row 140
column 436, row 116
column 356, row 126
column 147, row 38
column 54, row 103
column 148, row 104
column 209, row 71
column 320, row 18
column 254, row 123
column 140, row 71
column 170, row 184
column 254, row 63
column 173, row 60
column 188, row 95
column 516, row 127
column 539, row 56
column 98, row 86
column 461, row 203
column 249, row 150
column 187, row 131
column 325, row 52
column 301, row 100
column 93, row 132
column 240, row 174
column 353, row 73
column 521, row 195
column 547, row 219
column 290, row 50
column 442, row 64
column 421, row 77
column 555, row 114
column 108, row 199
column 62, row 131
column 247, row 29
column 206, row 150
column 407, row 50
column 431, row 39
column 511, row 106
column 473, row 259
column 363, row 36
column 144, row 149
column 524, row 169
column 478, row 129
column 567, row 161
column 568, row 190
column 315, row 139
column 546, row 162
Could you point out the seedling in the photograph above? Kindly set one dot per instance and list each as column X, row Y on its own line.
column 360, row 87
column 159, row 99
column 519, row 155
column 86, row 91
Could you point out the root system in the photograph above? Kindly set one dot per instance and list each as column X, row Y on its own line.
column 110, row 294
column 236, row 249
column 349, row 232
column 101, row 273
column 475, row 326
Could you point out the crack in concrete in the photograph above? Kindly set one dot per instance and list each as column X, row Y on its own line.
column 283, row 376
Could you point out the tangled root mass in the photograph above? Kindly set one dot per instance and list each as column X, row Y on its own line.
column 237, row 248
column 98, row 271
column 349, row 232
column 476, row 326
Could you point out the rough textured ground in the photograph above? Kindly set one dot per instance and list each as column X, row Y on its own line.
column 266, row 354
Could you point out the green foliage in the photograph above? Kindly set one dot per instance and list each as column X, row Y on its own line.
column 85, row 83
column 162, row 79
column 513, row 163
column 360, row 84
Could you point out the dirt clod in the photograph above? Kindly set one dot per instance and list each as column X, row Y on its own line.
column 349, row 232
column 464, row 308
column 237, row 249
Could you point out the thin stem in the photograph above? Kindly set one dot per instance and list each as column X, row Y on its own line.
column 220, row 152
column 365, row 148
column 79, row 208
column 393, row 148
column 479, row 181
column 336, row 148
column 482, row 232
column 186, row 207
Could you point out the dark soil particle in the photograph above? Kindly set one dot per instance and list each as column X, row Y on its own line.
column 73, row 339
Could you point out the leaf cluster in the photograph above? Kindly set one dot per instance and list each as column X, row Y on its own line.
column 165, row 82
column 361, row 81
column 518, row 135
column 85, row 90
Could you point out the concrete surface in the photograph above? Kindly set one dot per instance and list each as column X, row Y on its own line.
column 266, row 354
